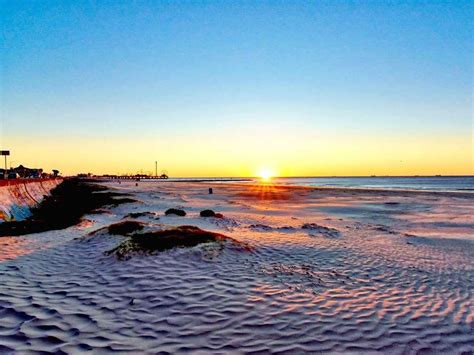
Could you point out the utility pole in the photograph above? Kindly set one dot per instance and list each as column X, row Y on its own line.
column 156, row 169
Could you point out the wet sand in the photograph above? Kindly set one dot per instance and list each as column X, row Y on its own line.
column 329, row 270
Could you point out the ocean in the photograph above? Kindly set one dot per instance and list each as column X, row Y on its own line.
column 426, row 183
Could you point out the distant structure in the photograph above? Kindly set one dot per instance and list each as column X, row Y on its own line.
column 22, row 172
column 137, row 177
column 85, row 175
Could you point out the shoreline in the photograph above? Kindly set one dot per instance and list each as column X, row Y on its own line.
column 457, row 193
column 276, row 183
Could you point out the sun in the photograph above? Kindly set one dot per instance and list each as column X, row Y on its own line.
column 266, row 174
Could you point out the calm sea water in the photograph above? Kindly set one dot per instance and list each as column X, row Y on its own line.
column 441, row 183
column 427, row 183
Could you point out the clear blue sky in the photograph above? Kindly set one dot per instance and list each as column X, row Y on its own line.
column 150, row 69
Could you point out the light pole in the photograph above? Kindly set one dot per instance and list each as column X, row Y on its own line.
column 156, row 169
column 5, row 153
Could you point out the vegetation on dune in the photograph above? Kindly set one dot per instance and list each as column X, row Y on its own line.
column 182, row 236
column 125, row 227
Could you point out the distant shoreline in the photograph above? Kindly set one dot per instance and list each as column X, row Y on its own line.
column 103, row 179
column 452, row 185
column 302, row 177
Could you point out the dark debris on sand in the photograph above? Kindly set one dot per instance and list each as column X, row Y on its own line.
column 261, row 227
column 64, row 207
column 182, row 236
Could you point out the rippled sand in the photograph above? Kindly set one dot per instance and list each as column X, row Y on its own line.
column 329, row 270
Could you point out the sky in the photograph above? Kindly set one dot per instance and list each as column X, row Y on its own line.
column 228, row 88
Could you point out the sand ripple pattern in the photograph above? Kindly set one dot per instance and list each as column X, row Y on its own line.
column 295, row 292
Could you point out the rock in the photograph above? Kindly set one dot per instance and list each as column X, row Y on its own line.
column 176, row 212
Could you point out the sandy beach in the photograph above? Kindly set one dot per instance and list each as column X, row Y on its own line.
column 323, row 270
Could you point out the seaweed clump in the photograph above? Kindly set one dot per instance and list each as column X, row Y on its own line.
column 175, row 211
column 182, row 236
column 64, row 207
column 125, row 227
column 326, row 231
column 140, row 214
column 210, row 213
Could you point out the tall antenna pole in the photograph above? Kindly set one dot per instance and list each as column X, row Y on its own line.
column 156, row 168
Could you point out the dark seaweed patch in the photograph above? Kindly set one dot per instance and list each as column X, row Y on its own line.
column 64, row 207
column 182, row 236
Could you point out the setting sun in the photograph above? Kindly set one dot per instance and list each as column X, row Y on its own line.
column 266, row 174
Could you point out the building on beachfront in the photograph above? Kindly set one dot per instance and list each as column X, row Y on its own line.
column 28, row 173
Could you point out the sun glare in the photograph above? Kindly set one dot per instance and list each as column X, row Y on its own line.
column 266, row 174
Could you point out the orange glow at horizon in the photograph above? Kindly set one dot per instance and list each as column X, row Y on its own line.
column 241, row 155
